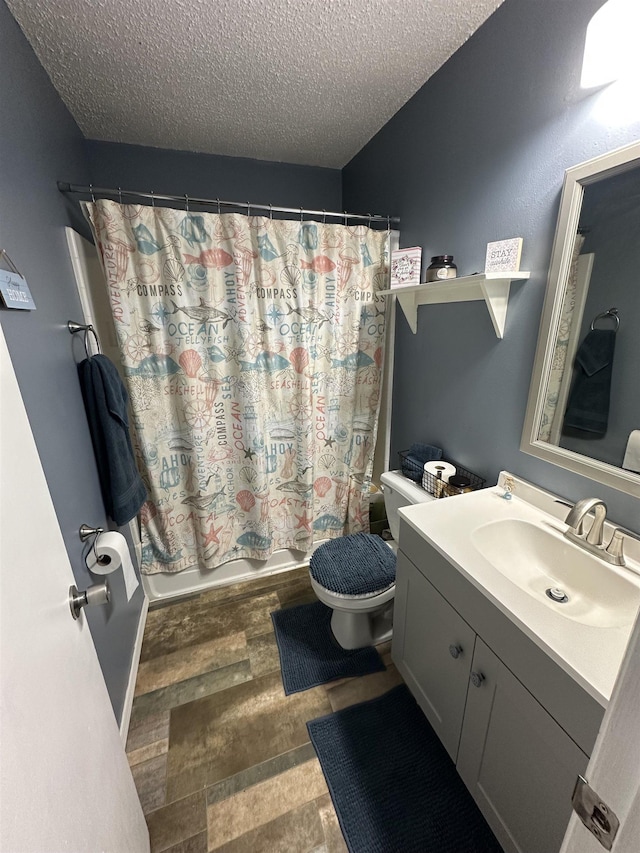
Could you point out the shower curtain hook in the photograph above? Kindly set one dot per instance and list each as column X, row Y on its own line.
column 248, row 208
column 186, row 202
column 388, row 225
column 270, row 211
column 153, row 200
column 369, row 221
column 324, row 216
column 300, row 214
column 218, row 200
column 119, row 195
column 345, row 218
column 93, row 198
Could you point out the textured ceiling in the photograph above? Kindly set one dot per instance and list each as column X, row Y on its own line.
column 301, row 81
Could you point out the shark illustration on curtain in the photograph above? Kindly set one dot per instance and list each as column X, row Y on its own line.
column 252, row 350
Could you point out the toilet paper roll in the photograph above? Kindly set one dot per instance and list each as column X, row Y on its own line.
column 446, row 470
column 438, row 472
column 108, row 554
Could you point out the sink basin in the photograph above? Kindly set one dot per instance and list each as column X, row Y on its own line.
column 537, row 557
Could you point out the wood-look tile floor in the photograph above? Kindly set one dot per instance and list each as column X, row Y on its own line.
column 220, row 756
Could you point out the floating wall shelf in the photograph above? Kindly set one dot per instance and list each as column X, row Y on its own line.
column 492, row 287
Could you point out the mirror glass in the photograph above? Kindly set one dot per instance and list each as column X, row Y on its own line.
column 584, row 403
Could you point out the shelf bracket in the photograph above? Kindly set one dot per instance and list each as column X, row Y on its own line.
column 409, row 304
column 496, row 295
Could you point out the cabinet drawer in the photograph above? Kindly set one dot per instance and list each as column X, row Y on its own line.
column 432, row 648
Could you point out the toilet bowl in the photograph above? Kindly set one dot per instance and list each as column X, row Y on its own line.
column 355, row 575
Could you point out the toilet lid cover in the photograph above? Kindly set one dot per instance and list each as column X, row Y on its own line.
column 358, row 564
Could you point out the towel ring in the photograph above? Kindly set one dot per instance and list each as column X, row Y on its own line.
column 74, row 328
column 612, row 313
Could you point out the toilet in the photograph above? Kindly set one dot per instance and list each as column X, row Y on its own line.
column 355, row 575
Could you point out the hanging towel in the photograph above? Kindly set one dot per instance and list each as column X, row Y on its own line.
column 588, row 406
column 632, row 454
column 105, row 401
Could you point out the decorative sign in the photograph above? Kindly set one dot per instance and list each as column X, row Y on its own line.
column 503, row 255
column 15, row 291
column 405, row 267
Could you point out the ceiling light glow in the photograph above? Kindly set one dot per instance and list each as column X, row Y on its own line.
column 611, row 48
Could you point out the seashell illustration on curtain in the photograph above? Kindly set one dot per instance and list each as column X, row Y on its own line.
column 253, row 348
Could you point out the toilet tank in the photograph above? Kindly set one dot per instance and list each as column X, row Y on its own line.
column 399, row 492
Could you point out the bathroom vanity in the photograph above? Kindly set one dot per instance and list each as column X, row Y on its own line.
column 514, row 687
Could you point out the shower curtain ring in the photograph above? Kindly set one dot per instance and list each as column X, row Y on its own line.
column 324, row 216
column 300, row 214
column 93, row 198
column 119, row 195
column 345, row 218
column 270, row 211
column 186, row 202
column 248, row 209
column 369, row 221
column 388, row 224
column 153, row 200
column 218, row 200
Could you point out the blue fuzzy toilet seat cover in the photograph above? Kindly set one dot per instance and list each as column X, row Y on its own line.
column 358, row 564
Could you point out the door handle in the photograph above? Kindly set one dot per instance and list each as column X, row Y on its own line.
column 97, row 594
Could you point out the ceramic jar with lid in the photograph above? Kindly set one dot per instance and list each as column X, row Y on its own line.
column 441, row 268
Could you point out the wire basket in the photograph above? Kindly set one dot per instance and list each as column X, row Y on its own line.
column 413, row 470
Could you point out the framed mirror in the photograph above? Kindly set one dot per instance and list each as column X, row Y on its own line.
column 583, row 412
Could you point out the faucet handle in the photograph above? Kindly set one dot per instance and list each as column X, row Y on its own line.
column 616, row 547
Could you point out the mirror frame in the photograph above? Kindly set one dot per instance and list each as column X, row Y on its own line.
column 575, row 180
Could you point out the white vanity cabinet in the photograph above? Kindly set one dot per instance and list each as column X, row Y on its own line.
column 433, row 648
column 518, row 727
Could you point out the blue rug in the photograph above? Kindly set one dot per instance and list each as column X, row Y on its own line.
column 309, row 655
column 393, row 785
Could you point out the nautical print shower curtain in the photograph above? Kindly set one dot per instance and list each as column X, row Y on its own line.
column 252, row 350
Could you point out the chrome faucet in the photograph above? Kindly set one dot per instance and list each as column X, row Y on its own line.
column 593, row 540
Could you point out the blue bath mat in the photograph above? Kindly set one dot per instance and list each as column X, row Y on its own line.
column 309, row 655
column 393, row 785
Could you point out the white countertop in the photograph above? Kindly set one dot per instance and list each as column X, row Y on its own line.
column 590, row 654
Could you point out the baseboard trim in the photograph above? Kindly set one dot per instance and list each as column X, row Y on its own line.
column 133, row 673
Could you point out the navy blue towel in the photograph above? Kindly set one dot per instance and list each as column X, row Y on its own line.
column 413, row 463
column 105, row 401
column 588, row 406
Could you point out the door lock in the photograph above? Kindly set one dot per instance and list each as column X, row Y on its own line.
column 97, row 594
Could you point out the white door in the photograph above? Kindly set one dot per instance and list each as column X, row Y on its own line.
column 65, row 781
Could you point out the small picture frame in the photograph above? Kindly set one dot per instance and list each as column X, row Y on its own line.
column 405, row 267
column 503, row 255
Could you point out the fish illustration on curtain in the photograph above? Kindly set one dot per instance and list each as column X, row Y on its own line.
column 253, row 357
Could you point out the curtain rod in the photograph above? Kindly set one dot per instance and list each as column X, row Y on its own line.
column 186, row 200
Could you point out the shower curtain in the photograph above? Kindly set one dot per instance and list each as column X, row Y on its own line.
column 252, row 350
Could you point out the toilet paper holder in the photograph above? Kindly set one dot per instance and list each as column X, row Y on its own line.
column 85, row 532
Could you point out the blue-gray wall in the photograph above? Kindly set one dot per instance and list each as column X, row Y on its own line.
column 479, row 154
column 136, row 167
column 40, row 143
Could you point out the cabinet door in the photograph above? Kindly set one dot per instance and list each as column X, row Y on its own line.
column 432, row 648
column 518, row 763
